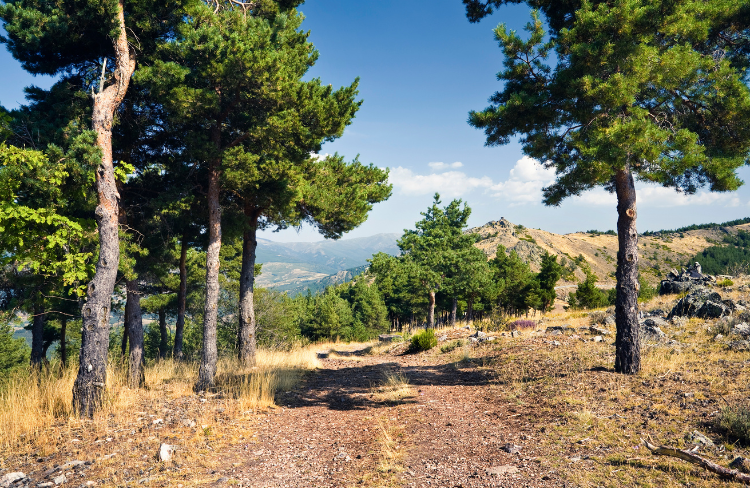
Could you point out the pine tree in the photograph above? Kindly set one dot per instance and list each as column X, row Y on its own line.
column 637, row 89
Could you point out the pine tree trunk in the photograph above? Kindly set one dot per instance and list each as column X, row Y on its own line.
column 164, row 342
column 470, row 310
column 92, row 373
column 181, row 300
column 37, row 332
column 627, row 342
column 246, row 334
column 125, row 322
column 63, row 341
column 209, row 355
column 431, row 312
column 454, row 310
column 136, row 375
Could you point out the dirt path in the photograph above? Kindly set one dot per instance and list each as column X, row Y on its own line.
column 339, row 428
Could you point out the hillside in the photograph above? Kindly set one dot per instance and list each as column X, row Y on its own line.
column 298, row 266
column 659, row 252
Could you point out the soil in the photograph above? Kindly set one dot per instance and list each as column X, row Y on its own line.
column 450, row 428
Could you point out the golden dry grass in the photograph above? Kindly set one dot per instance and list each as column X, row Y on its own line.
column 36, row 407
column 394, row 388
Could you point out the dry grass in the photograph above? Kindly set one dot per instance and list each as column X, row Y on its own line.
column 591, row 419
column 36, row 414
column 394, row 388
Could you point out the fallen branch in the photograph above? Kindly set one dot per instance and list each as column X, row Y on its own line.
column 693, row 458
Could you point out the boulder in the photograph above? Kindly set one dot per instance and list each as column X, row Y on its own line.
column 609, row 320
column 700, row 302
column 684, row 280
column 651, row 333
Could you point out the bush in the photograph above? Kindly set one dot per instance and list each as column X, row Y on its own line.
column 522, row 324
column 452, row 345
column 736, row 421
column 725, row 282
column 423, row 341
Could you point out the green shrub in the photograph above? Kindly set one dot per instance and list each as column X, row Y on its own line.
column 423, row 341
column 725, row 282
column 736, row 421
column 452, row 345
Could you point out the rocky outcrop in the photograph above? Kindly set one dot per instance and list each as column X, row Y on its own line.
column 685, row 280
column 703, row 303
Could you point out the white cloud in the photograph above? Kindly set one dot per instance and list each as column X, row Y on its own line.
column 441, row 166
column 527, row 178
column 654, row 196
column 450, row 184
column 319, row 157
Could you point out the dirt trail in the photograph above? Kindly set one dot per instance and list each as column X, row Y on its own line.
column 337, row 430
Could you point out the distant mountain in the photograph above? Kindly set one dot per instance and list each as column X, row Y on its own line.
column 295, row 266
column 318, row 285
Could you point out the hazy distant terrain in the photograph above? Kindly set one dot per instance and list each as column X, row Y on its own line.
column 297, row 266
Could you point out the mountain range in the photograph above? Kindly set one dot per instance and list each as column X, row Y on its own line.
column 298, row 266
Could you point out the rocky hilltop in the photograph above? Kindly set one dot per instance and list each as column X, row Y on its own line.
column 659, row 252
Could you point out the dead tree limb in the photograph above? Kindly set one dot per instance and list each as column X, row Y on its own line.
column 693, row 458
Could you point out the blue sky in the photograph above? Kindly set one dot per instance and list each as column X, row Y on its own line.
column 422, row 67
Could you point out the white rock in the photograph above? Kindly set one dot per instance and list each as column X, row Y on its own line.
column 58, row 480
column 11, row 478
column 598, row 339
column 166, row 452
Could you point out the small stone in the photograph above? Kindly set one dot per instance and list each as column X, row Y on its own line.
column 222, row 480
column 598, row 331
column 598, row 339
column 556, row 343
column 46, row 484
column 11, row 478
column 500, row 470
column 158, row 421
column 740, row 464
column 511, row 448
column 718, row 338
column 90, row 483
column 58, row 480
column 443, row 338
column 696, row 437
column 166, row 452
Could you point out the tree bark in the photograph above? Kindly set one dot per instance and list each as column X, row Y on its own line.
column 125, row 322
column 163, row 334
column 627, row 341
column 37, row 332
column 431, row 312
column 181, row 300
column 209, row 355
column 136, row 360
column 470, row 310
column 454, row 309
column 92, row 373
column 246, row 340
column 63, row 341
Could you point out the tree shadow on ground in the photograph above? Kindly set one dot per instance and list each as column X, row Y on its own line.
column 356, row 387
